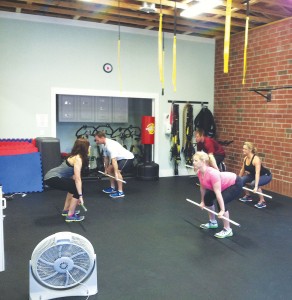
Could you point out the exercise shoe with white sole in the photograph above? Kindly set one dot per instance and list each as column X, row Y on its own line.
column 224, row 233
column 245, row 198
column 65, row 213
column 109, row 190
column 74, row 218
column 261, row 205
column 117, row 195
column 209, row 225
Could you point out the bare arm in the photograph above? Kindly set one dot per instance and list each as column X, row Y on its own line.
column 203, row 191
column 257, row 163
column 241, row 172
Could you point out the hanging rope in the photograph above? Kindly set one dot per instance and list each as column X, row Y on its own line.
column 175, row 141
column 160, row 47
column 174, row 52
column 245, row 42
column 188, row 147
column 245, row 49
column 119, row 49
column 227, row 35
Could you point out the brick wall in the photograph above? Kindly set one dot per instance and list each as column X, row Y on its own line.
column 243, row 115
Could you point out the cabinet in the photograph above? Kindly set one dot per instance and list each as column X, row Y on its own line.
column 120, row 110
column 85, row 109
column 67, row 108
column 92, row 109
column 103, row 109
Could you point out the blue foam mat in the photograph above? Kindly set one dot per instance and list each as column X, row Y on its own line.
column 21, row 173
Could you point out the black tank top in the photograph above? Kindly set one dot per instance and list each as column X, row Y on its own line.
column 251, row 168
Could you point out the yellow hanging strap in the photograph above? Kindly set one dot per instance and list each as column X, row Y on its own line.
column 174, row 52
column 174, row 64
column 245, row 49
column 160, row 50
column 119, row 51
column 227, row 35
column 163, row 56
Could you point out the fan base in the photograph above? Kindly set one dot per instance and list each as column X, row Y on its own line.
column 40, row 292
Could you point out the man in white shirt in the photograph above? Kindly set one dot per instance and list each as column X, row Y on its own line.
column 116, row 160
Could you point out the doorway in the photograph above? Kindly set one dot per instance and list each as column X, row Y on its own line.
column 153, row 98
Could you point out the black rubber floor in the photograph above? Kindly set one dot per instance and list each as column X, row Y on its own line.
column 149, row 244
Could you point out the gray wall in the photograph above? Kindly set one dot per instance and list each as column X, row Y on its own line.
column 40, row 54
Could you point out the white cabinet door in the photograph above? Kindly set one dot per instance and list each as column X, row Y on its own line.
column 120, row 110
column 67, row 108
column 103, row 109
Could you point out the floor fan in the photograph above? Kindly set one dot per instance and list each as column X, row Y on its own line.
column 62, row 265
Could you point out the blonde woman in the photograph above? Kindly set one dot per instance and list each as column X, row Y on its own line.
column 215, row 185
column 67, row 177
column 253, row 172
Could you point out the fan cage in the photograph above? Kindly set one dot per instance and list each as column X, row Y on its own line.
column 62, row 260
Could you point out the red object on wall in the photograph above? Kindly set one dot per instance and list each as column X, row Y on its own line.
column 147, row 130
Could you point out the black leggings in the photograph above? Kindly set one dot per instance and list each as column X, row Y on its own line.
column 63, row 184
column 229, row 194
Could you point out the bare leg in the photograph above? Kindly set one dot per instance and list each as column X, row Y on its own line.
column 113, row 181
column 111, row 172
column 120, row 184
column 262, row 199
column 246, row 193
column 72, row 207
column 212, row 216
column 226, row 223
column 68, row 201
column 70, row 204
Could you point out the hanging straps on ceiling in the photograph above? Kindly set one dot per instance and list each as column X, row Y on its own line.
column 174, row 50
column 245, row 41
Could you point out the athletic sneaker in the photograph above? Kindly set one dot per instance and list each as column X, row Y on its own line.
column 260, row 205
column 74, row 218
column 246, row 198
column 224, row 233
column 109, row 190
column 65, row 212
column 117, row 195
column 209, row 225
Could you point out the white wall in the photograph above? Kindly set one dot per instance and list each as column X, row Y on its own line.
column 42, row 55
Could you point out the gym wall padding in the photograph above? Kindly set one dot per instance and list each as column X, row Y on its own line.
column 12, row 148
column 21, row 173
column 20, row 166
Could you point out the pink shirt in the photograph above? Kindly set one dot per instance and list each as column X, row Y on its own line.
column 212, row 176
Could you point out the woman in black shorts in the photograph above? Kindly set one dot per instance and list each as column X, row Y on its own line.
column 67, row 177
